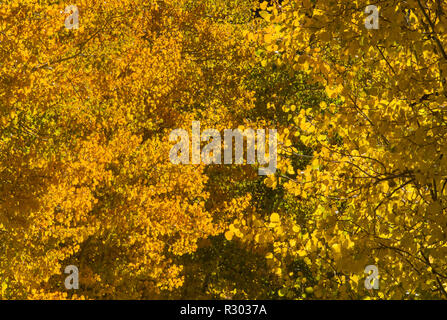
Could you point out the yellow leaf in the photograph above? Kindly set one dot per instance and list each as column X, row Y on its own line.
column 274, row 217
column 229, row 235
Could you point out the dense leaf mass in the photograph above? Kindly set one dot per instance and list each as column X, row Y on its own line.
column 86, row 178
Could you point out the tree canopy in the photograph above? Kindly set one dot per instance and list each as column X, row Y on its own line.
column 86, row 178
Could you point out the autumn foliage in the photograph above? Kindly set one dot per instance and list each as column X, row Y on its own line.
column 86, row 179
